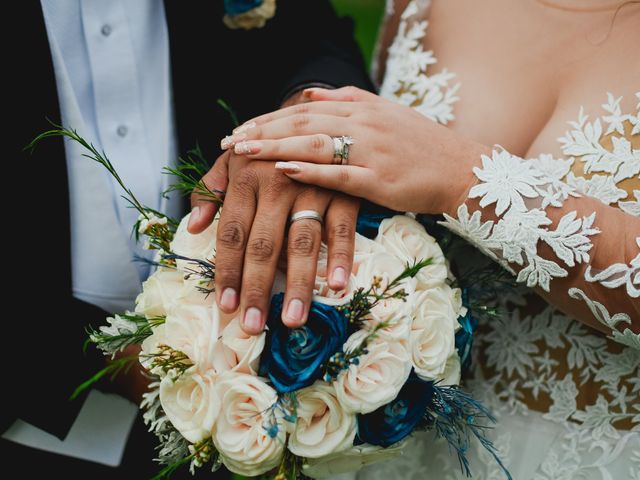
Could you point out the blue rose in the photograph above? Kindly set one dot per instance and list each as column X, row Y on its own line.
column 370, row 217
column 236, row 7
column 464, row 336
column 396, row 420
column 294, row 358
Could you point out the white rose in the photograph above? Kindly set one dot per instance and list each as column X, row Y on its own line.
column 191, row 403
column 193, row 330
column 322, row 426
column 350, row 460
column 150, row 346
column 159, row 292
column 378, row 376
column 245, row 446
column 395, row 311
column 405, row 238
column 452, row 370
column 237, row 351
column 433, row 331
column 201, row 246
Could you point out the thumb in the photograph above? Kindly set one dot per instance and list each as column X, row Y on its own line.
column 203, row 206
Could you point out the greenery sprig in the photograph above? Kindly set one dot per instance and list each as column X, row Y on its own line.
column 169, row 361
column 123, row 331
column 200, row 454
column 359, row 308
column 114, row 368
column 188, row 173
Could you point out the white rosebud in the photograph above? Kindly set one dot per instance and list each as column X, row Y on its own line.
column 322, row 426
column 238, row 351
column 350, row 460
column 201, row 246
column 191, row 403
column 159, row 292
column 193, row 330
column 245, row 446
column 433, row 331
column 377, row 377
column 406, row 239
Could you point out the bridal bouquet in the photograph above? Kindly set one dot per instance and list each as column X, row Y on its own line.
column 374, row 362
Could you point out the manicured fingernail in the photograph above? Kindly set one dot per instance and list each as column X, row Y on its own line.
column 194, row 217
column 288, row 167
column 295, row 310
column 229, row 300
column 247, row 148
column 230, row 140
column 253, row 320
column 339, row 276
column 244, row 127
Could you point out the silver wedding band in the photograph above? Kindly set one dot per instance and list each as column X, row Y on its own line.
column 304, row 214
column 341, row 149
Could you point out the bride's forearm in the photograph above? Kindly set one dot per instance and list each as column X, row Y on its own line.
column 581, row 254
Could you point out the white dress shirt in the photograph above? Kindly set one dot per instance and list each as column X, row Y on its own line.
column 111, row 63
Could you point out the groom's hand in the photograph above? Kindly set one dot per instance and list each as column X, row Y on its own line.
column 251, row 235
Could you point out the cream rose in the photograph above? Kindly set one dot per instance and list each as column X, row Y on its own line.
column 433, row 331
column 244, row 445
column 194, row 331
column 150, row 346
column 159, row 292
column 322, row 426
column 201, row 246
column 191, row 403
column 452, row 370
column 350, row 460
column 378, row 376
column 237, row 351
column 406, row 239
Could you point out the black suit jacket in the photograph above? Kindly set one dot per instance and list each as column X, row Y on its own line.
column 42, row 335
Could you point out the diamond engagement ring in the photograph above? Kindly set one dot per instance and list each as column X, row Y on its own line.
column 304, row 214
column 341, row 149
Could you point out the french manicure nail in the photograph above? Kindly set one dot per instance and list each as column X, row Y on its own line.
column 244, row 127
column 253, row 319
column 247, row 148
column 295, row 310
column 229, row 300
column 288, row 167
column 339, row 276
column 195, row 215
column 230, row 140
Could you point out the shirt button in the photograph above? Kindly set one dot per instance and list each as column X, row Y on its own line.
column 122, row 131
column 106, row 30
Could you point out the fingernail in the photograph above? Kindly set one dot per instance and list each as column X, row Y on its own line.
column 247, row 148
column 288, row 167
column 339, row 276
column 244, row 127
column 229, row 300
column 253, row 320
column 230, row 140
column 295, row 310
column 194, row 217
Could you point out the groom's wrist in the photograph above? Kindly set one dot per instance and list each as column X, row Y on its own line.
column 296, row 94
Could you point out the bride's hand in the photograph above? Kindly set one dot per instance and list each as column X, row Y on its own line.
column 399, row 158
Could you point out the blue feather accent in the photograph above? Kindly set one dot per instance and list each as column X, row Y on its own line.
column 236, row 7
column 458, row 418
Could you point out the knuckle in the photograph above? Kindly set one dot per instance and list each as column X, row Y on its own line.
column 275, row 186
column 255, row 292
column 261, row 249
column 343, row 176
column 301, row 109
column 343, row 230
column 300, row 285
column 341, row 256
column 246, row 180
column 232, row 235
column 304, row 240
column 226, row 275
column 318, row 143
column 299, row 122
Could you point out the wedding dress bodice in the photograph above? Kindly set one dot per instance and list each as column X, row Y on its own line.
column 567, row 397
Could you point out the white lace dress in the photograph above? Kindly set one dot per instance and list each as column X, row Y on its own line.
column 567, row 398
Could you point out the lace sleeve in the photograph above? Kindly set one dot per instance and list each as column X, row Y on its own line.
column 570, row 228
